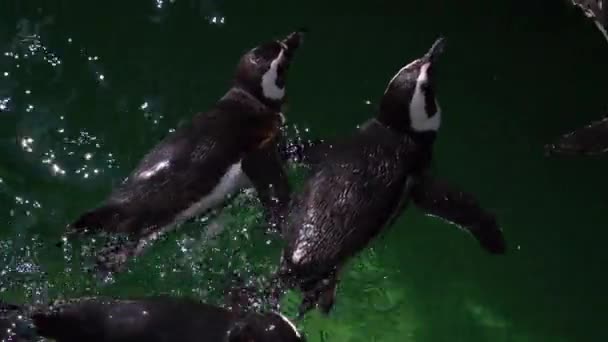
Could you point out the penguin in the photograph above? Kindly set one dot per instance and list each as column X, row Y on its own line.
column 589, row 140
column 149, row 319
column 596, row 10
column 361, row 184
column 196, row 168
column 593, row 138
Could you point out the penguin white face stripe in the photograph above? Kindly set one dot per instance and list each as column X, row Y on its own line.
column 269, row 80
column 419, row 118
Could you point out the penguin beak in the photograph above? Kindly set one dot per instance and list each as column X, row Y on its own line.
column 294, row 40
column 435, row 51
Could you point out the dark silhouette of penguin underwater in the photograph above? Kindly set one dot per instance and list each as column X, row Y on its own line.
column 360, row 185
column 152, row 319
column 589, row 140
column 596, row 10
column 193, row 170
column 593, row 138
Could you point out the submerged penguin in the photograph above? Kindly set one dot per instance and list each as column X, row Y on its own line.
column 593, row 138
column 193, row 170
column 360, row 185
column 596, row 10
column 589, row 140
column 152, row 319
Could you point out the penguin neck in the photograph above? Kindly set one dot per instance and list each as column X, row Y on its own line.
column 257, row 93
column 245, row 98
column 401, row 126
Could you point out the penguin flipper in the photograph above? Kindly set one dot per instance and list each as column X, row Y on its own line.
column 438, row 198
column 323, row 296
column 593, row 10
column 264, row 169
column 589, row 140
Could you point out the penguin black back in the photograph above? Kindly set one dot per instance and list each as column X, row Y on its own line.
column 155, row 319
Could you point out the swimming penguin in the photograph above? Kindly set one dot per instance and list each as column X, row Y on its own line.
column 593, row 138
column 596, row 10
column 589, row 140
column 152, row 319
column 193, row 170
column 363, row 183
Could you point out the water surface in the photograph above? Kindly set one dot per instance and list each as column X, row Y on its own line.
column 86, row 88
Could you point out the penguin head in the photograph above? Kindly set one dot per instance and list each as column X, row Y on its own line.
column 409, row 104
column 268, row 327
column 262, row 71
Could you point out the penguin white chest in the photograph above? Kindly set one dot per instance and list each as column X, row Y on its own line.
column 233, row 180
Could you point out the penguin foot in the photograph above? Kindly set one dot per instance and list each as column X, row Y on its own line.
column 322, row 295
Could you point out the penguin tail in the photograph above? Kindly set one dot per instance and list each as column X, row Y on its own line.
column 105, row 218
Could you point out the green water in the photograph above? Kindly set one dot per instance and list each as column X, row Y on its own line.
column 104, row 81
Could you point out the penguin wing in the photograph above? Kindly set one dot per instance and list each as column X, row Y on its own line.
column 438, row 198
column 589, row 140
column 343, row 206
column 174, row 175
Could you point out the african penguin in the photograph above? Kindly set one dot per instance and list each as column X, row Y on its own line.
column 150, row 319
column 362, row 184
column 593, row 138
column 193, row 170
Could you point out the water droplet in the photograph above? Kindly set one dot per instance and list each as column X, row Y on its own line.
column 6, row 74
column 368, row 102
column 56, row 169
column 26, row 144
column 101, row 77
column 4, row 102
column 28, row 92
